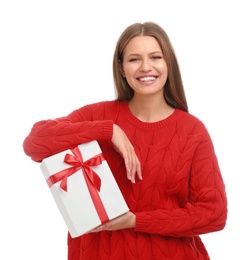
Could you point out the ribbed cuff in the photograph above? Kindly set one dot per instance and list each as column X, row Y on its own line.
column 143, row 221
column 105, row 130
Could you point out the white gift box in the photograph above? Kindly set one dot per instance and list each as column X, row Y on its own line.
column 81, row 210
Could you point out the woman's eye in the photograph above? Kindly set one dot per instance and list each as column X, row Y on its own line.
column 156, row 57
column 133, row 59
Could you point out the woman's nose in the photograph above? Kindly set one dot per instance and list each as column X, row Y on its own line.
column 145, row 65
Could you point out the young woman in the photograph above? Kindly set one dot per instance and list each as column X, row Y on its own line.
column 162, row 157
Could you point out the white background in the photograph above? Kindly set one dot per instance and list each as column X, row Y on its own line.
column 56, row 56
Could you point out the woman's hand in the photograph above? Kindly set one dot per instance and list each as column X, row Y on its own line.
column 127, row 151
column 127, row 220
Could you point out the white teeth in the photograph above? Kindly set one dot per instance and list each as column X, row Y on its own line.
column 147, row 79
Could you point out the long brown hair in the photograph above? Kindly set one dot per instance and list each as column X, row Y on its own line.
column 174, row 93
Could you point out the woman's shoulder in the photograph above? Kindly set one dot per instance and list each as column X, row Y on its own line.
column 190, row 121
column 187, row 116
column 107, row 105
column 100, row 109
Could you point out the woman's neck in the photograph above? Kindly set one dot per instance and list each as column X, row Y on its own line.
column 150, row 110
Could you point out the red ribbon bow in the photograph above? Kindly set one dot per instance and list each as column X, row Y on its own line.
column 92, row 179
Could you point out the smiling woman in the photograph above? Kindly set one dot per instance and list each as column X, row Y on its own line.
column 161, row 156
column 145, row 70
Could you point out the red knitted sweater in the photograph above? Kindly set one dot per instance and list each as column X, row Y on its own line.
column 181, row 196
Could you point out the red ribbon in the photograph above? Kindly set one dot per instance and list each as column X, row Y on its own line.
column 92, row 179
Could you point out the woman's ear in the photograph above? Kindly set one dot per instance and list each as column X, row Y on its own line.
column 121, row 69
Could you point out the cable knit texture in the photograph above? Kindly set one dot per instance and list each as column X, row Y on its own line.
column 181, row 196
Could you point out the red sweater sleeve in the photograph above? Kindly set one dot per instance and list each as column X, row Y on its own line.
column 206, row 209
column 48, row 137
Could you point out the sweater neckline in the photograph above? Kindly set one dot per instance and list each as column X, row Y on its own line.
column 148, row 125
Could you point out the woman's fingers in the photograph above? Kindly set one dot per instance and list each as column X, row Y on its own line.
column 123, row 145
column 133, row 167
column 127, row 220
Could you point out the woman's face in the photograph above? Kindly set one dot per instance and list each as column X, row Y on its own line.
column 144, row 66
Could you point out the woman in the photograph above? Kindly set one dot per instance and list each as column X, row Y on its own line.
column 162, row 157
